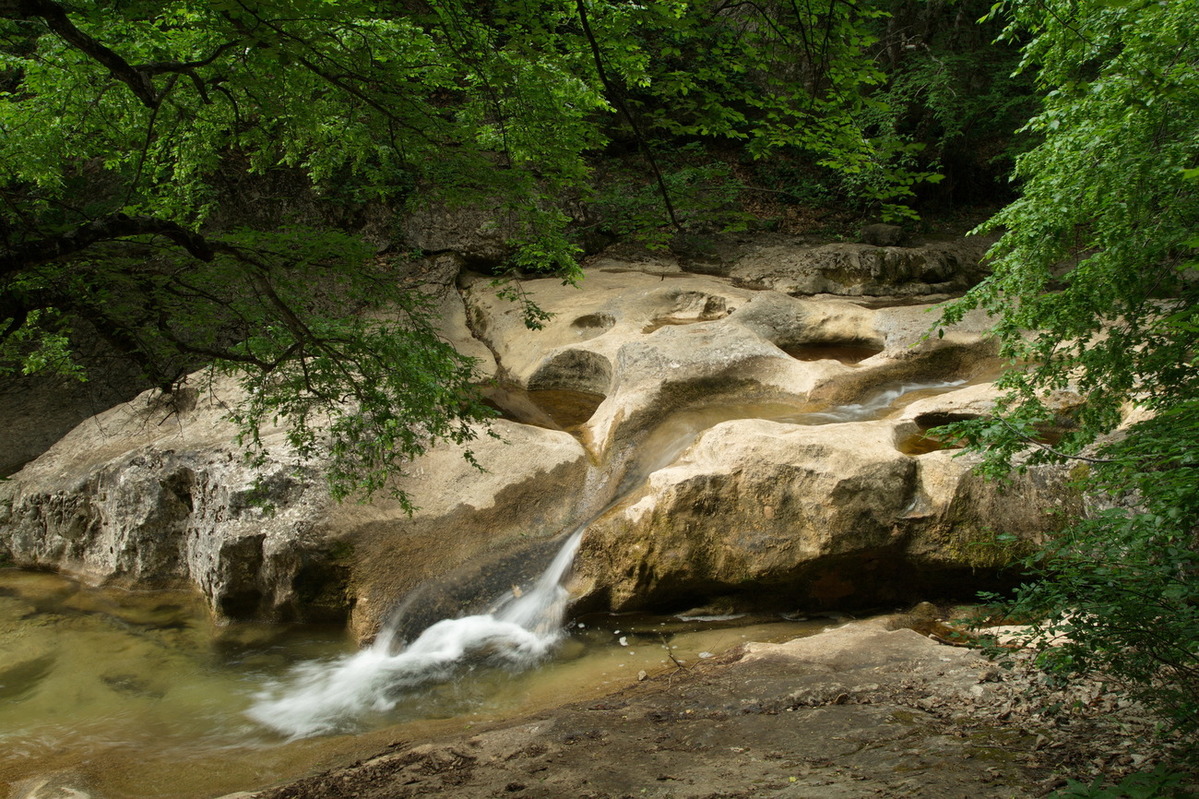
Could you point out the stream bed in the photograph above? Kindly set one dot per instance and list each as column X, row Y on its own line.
column 126, row 695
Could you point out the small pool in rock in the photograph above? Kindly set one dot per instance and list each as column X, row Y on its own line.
column 125, row 695
column 553, row 409
column 921, row 444
column 668, row 321
column 845, row 353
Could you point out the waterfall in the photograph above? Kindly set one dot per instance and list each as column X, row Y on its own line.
column 323, row 697
column 519, row 632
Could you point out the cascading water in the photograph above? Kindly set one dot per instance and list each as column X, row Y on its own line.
column 520, row 631
column 322, row 697
column 873, row 406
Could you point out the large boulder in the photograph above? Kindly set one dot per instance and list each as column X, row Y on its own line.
column 758, row 507
column 153, row 495
column 789, row 515
column 155, row 492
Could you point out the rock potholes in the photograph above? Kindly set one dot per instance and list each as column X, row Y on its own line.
column 725, row 442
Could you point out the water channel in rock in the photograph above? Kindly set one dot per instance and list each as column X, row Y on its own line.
column 140, row 695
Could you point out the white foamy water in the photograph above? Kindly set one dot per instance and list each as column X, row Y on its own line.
column 328, row 696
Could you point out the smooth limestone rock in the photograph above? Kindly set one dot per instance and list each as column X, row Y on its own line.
column 787, row 321
column 577, row 347
column 677, row 368
column 655, row 345
column 862, row 270
column 813, row 517
column 964, row 524
column 757, row 506
column 711, row 463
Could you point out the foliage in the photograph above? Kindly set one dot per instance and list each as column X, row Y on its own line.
column 703, row 192
column 1160, row 783
column 777, row 77
column 1117, row 592
column 954, row 98
column 1094, row 288
column 122, row 123
column 130, row 131
column 370, row 391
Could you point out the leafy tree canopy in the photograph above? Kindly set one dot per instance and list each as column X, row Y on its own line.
column 128, row 129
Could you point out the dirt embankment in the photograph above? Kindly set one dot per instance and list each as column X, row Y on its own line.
column 858, row 711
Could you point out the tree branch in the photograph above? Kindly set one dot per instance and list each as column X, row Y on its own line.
column 139, row 78
column 1049, row 449
column 158, row 67
column 55, row 17
column 618, row 99
column 110, row 228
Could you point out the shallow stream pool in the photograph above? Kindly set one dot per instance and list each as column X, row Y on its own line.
column 136, row 695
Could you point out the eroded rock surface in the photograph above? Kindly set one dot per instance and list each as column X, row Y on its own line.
column 862, row 270
column 130, row 500
column 744, row 470
column 155, row 492
column 742, row 442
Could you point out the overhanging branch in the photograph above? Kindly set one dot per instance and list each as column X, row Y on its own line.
column 139, row 78
column 117, row 226
column 55, row 17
